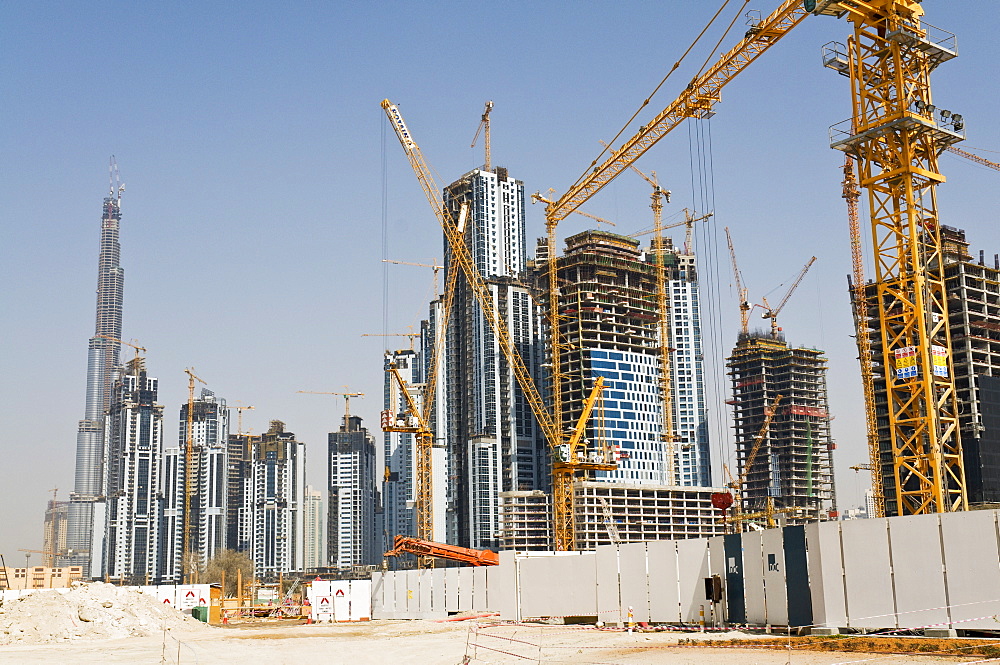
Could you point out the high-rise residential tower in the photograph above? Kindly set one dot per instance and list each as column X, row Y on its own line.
column 134, row 436
column 493, row 444
column 102, row 358
column 687, row 371
column 239, row 462
column 314, row 525
column 273, row 501
column 206, row 523
column 353, row 497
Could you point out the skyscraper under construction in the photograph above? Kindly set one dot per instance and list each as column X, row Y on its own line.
column 102, row 358
column 793, row 466
column 608, row 324
column 973, row 289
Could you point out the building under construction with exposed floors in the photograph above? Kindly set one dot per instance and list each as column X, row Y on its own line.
column 608, row 323
column 609, row 328
column 793, row 467
column 973, row 289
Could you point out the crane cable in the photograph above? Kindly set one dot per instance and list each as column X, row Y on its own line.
column 385, row 233
column 703, row 197
column 649, row 98
column 725, row 34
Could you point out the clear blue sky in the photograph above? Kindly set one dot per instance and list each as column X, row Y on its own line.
column 251, row 141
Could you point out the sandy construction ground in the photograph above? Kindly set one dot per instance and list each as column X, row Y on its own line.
column 420, row 642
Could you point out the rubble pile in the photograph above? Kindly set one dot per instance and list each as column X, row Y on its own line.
column 89, row 611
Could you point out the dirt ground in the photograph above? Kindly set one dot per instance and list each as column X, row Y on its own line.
column 426, row 643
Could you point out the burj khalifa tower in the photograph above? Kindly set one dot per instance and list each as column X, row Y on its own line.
column 85, row 530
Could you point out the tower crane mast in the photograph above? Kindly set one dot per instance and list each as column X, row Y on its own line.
column 484, row 127
column 659, row 250
column 188, row 472
column 239, row 416
column 895, row 134
column 737, row 484
column 863, row 338
column 740, row 288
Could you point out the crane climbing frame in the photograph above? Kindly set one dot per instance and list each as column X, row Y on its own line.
column 895, row 136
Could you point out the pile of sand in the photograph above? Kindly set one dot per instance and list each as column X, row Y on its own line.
column 87, row 611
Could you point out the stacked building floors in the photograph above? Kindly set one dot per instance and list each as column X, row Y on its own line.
column 793, row 467
column 973, row 290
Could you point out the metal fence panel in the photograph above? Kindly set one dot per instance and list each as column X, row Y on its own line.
column 634, row 579
column 753, row 578
column 664, row 598
column 915, row 544
column 867, row 573
column 773, row 560
column 826, row 574
column 972, row 567
column 559, row 585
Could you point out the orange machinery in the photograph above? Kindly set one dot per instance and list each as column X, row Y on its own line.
column 406, row 544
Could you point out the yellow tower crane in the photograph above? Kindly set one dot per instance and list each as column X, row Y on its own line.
column 434, row 266
column 563, row 472
column 189, row 467
column 772, row 312
column 736, row 485
column 484, row 126
column 741, row 289
column 410, row 420
column 689, row 220
column 410, row 336
column 239, row 416
column 895, row 135
column 862, row 321
column 347, row 400
column 138, row 349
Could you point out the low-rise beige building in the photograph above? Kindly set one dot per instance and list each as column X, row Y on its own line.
column 41, row 577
